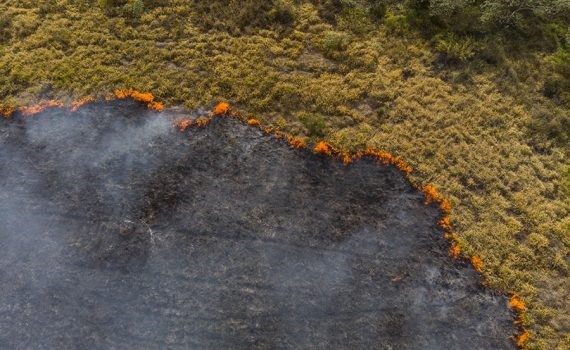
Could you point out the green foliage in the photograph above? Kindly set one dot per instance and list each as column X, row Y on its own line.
column 557, row 86
column 355, row 19
column 334, row 43
column 562, row 62
column 133, row 8
column 508, row 12
column 315, row 124
column 283, row 12
column 557, row 34
column 377, row 11
column 454, row 47
column 396, row 23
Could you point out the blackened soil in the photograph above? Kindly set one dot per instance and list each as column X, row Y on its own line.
column 120, row 232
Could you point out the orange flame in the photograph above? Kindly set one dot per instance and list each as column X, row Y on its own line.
column 75, row 105
column 445, row 205
column 323, row 148
column 145, row 97
column 346, row 159
column 445, row 223
column 253, row 122
column 477, row 263
column 35, row 109
column 156, row 106
column 517, row 304
column 455, row 250
column 431, row 194
column 522, row 338
column 388, row 159
column 296, row 142
column 221, row 108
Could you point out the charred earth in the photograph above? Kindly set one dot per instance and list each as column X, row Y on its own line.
column 119, row 231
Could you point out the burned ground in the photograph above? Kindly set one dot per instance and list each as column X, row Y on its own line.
column 119, row 231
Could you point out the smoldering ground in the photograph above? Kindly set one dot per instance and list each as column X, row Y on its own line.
column 119, row 231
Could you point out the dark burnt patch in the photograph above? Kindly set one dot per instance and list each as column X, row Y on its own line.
column 119, row 231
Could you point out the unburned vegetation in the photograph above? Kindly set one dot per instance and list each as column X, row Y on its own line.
column 477, row 105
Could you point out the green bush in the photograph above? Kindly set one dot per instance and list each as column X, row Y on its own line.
column 396, row 23
column 333, row 43
column 283, row 12
column 377, row 11
column 356, row 20
column 315, row 124
column 455, row 48
column 562, row 62
column 133, row 8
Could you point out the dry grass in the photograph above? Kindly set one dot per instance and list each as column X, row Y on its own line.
column 378, row 89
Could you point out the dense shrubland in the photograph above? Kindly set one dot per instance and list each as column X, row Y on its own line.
column 474, row 95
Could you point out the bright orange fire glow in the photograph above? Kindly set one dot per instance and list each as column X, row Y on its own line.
column 477, row 263
column 387, row 159
column 145, row 97
column 445, row 205
column 221, row 108
column 75, row 105
column 445, row 223
column 523, row 337
column 35, row 109
column 346, row 159
column 517, row 304
column 455, row 251
column 431, row 194
column 323, row 148
column 156, row 106
column 296, row 142
column 253, row 122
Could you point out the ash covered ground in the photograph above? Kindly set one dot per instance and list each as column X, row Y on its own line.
column 120, row 232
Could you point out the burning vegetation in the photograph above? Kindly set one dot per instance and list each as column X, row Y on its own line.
column 431, row 195
column 40, row 107
column 145, row 97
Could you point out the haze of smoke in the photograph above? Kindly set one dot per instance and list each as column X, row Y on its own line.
column 121, row 232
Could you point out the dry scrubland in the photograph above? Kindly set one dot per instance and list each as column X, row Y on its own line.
column 475, row 130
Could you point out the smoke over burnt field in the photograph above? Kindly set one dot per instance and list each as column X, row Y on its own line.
column 120, row 231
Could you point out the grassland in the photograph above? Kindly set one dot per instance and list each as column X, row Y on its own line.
column 480, row 130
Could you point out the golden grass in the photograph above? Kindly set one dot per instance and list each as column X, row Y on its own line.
column 508, row 199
